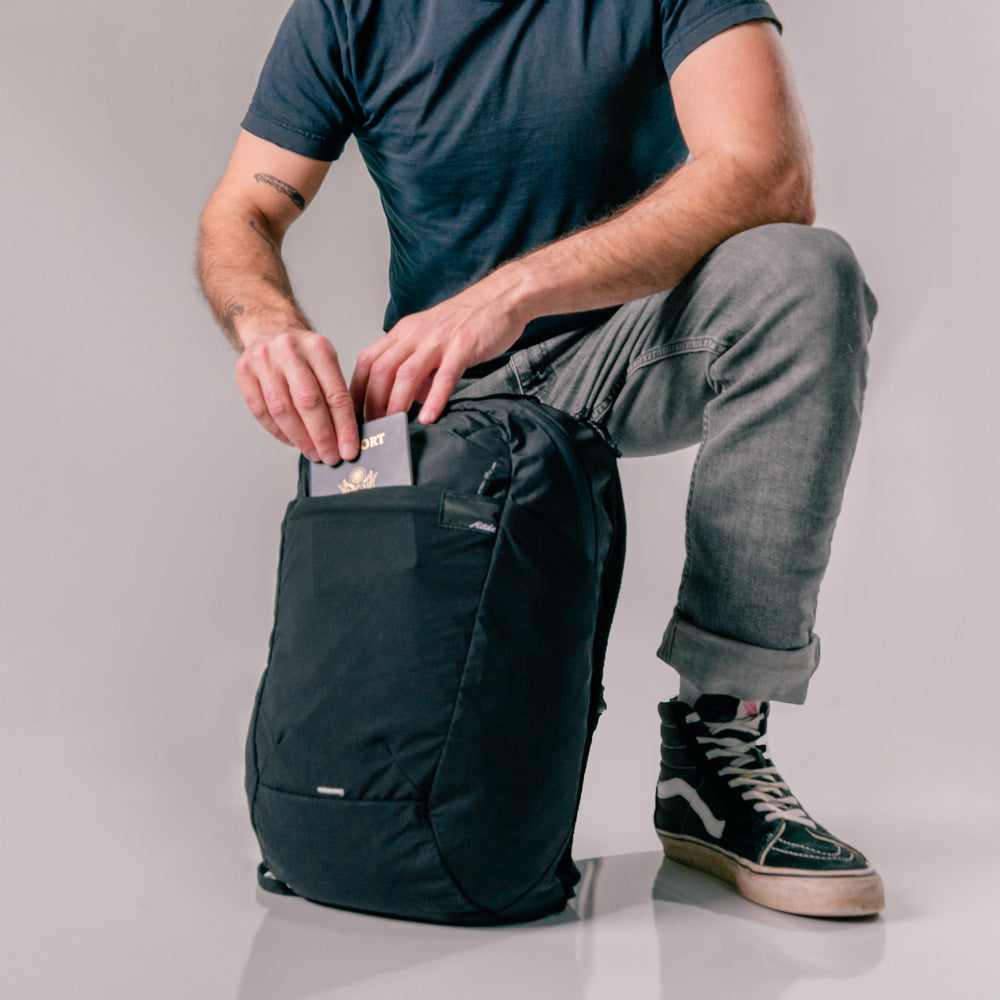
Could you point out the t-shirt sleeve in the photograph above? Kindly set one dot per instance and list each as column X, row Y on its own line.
column 689, row 23
column 305, row 100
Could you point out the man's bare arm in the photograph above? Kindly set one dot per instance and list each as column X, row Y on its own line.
column 750, row 165
column 289, row 375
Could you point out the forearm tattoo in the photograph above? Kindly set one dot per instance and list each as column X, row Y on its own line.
column 297, row 200
column 230, row 311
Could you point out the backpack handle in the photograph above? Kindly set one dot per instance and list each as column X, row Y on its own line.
column 270, row 883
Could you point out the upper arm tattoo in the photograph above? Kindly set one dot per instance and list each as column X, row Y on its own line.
column 279, row 185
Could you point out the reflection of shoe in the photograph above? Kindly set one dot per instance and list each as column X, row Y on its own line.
column 721, row 806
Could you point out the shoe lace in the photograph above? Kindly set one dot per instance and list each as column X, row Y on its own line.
column 750, row 770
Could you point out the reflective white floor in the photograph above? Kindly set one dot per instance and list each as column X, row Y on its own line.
column 639, row 929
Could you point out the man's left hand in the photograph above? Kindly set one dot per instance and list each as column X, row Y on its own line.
column 424, row 355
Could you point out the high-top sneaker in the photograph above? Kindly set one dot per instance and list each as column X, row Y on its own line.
column 721, row 806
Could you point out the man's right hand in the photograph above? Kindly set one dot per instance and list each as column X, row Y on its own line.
column 293, row 384
column 289, row 375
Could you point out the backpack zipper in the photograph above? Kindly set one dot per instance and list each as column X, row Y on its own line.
column 561, row 440
column 565, row 448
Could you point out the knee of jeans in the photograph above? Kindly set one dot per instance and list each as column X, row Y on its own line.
column 816, row 263
column 814, row 271
column 801, row 297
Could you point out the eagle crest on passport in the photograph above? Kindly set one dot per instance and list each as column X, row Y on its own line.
column 359, row 479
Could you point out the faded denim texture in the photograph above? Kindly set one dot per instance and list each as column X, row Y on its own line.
column 760, row 357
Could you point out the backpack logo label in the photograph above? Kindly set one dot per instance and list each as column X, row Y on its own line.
column 470, row 513
column 337, row 793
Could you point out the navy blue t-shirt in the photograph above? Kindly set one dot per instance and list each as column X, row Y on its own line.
column 490, row 127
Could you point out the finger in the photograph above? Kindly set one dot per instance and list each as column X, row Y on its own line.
column 381, row 378
column 412, row 375
column 249, row 386
column 278, row 398
column 311, row 407
column 340, row 406
column 362, row 373
column 440, row 391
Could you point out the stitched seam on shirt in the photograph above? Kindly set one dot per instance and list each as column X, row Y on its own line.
column 681, row 43
column 290, row 127
column 713, row 15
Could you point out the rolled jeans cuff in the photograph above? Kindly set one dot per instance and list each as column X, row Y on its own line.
column 718, row 665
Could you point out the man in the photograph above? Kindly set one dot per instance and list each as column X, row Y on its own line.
column 606, row 205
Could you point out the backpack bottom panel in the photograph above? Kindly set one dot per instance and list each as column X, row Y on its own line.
column 377, row 857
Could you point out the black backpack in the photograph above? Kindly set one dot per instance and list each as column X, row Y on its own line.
column 419, row 737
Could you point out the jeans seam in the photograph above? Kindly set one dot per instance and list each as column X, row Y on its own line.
column 517, row 376
column 598, row 412
column 536, row 362
column 686, row 572
column 649, row 357
column 655, row 354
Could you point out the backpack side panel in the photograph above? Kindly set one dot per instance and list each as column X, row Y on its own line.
column 504, row 799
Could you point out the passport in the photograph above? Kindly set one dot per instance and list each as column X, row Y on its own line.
column 384, row 460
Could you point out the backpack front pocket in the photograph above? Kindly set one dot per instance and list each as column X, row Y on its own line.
column 369, row 642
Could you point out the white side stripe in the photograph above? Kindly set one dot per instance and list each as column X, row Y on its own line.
column 337, row 792
column 677, row 786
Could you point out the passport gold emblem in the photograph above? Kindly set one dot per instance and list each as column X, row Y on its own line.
column 359, row 479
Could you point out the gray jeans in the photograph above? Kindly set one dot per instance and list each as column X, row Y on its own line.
column 760, row 356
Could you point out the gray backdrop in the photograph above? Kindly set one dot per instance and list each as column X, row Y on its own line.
column 141, row 502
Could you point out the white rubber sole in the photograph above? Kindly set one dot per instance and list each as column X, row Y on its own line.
column 785, row 889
